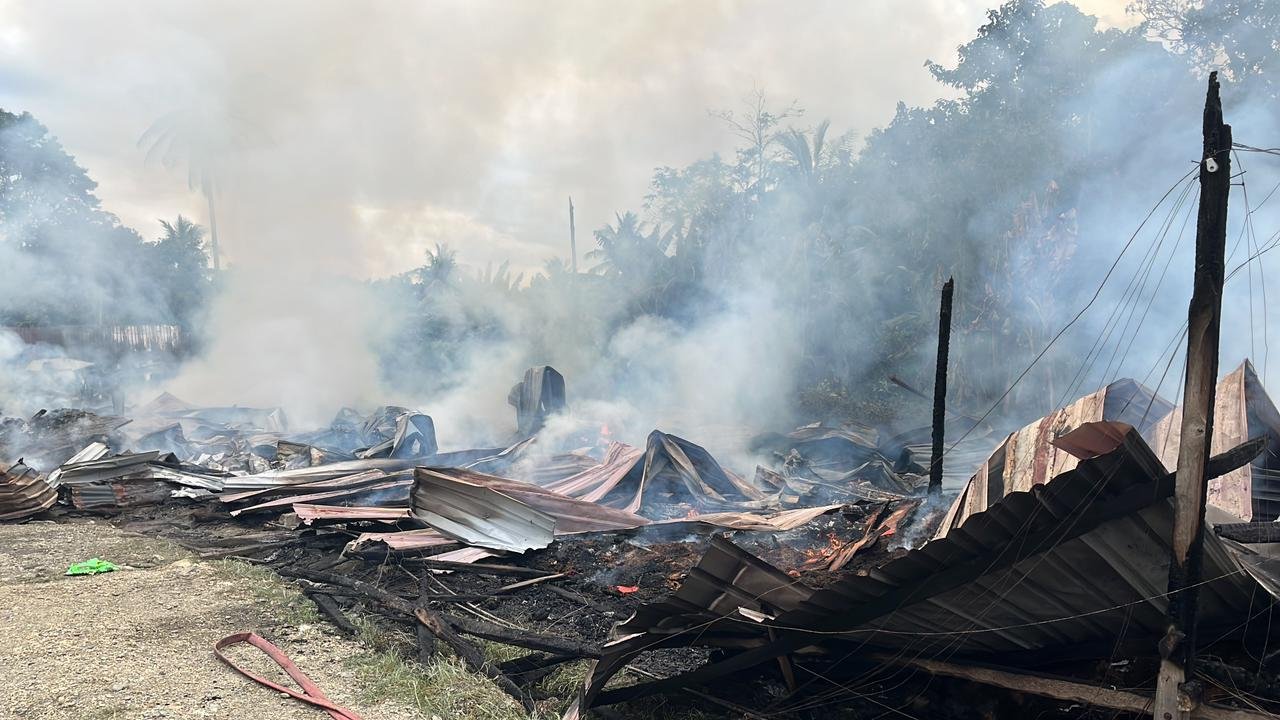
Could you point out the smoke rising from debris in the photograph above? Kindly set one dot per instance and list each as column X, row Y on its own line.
column 349, row 150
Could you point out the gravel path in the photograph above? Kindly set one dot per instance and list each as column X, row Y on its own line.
column 139, row 643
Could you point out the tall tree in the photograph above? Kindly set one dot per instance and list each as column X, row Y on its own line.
column 1240, row 37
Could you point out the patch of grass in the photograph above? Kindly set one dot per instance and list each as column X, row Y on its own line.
column 566, row 681
column 285, row 602
column 562, row 684
column 444, row 687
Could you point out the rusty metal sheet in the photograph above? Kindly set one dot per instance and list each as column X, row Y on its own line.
column 571, row 515
column 309, row 513
column 1232, row 492
column 1031, row 455
column 404, row 541
column 595, row 483
column 24, row 492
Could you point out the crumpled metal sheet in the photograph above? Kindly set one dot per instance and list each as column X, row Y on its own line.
column 92, row 466
column 404, row 541
column 24, row 492
column 477, row 515
column 669, row 466
column 394, row 432
column 391, row 491
column 351, row 480
column 570, row 515
column 536, row 397
column 845, row 445
column 1081, row 558
column 669, row 458
column 595, row 483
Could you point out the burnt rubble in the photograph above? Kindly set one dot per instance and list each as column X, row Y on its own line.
column 826, row 577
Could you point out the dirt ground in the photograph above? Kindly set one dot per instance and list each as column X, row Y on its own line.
column 138, row 643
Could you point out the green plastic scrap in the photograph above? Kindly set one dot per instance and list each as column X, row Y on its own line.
column 92, row 566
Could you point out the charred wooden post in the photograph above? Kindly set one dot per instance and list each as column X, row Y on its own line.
column 426, row 639
column 940, row 388
column 1174, row 697
column 573, row 241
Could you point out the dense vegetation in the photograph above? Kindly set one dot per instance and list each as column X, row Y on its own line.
column 70, row 262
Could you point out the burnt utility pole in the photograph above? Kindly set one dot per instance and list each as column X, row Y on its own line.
column 940, row 388
column 1175, row 695
column 573, row 241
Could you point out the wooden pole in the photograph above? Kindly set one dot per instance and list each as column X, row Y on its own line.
column 213, row 232
column 1175, row 695
column 573, row 241
column 940, row 388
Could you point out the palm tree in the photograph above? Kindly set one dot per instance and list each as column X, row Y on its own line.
column 441, row 267
column 500, row 278
column 806, row 159
column 203, row 140
column 624, row 248
column 182, row 232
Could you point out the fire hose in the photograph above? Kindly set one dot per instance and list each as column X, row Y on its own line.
column 311, row 693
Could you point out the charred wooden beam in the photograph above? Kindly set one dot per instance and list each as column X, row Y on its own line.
column 534, row 661
column 1204, row 320
column 522, row 638
column 329, row 608
column 426, row 638
column 940, row 388
column 1250, row 532
column 1062, row 689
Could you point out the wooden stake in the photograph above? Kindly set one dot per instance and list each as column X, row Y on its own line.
column 1175, row 697
column 940, row 388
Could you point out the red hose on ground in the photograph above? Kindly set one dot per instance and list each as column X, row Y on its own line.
column 311, row 693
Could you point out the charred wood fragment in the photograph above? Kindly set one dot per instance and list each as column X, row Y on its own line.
column 329, row 608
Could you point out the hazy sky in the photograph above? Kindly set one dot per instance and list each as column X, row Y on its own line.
column 352, row 136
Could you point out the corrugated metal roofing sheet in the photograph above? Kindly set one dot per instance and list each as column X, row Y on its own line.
column 478, row 515
column 1029, row 457
column 24, row 492
column 1083, row 557
column 1242, row 410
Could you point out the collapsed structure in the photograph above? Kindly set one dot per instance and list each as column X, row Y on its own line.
column 824, row 568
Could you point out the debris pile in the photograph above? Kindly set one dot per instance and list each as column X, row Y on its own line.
column 825, row 569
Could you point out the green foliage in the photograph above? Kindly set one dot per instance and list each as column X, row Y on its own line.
column 76, row 263
column 1242, row 37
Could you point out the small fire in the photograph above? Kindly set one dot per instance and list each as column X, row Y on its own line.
column 604, row 431
column 815, row 556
